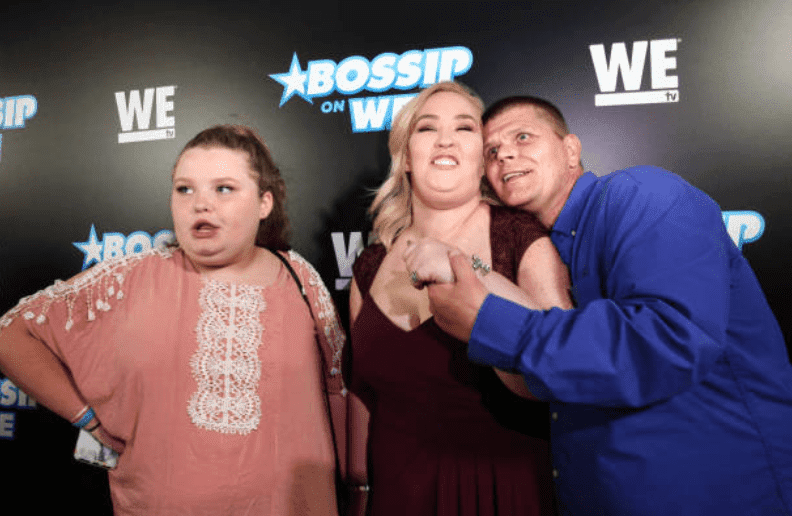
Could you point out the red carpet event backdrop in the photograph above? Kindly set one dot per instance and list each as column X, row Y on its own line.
column 96, row 102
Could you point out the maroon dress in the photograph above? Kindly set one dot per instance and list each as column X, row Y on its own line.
column 446, row 437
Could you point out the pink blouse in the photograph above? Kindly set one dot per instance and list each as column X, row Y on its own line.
column 215, row 387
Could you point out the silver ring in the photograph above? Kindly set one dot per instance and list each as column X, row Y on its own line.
column 414, row 278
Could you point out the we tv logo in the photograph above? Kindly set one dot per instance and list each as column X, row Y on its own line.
column 135, row 110
column 663, row 84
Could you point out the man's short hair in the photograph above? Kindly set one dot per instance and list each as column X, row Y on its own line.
column 546, row 109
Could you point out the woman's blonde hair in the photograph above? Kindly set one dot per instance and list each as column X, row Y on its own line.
column 392, row 206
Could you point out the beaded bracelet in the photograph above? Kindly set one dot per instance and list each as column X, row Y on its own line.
column 79, row 414
column 85, row 419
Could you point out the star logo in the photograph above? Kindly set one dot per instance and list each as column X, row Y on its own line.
column 92, row 248
column 293, row 82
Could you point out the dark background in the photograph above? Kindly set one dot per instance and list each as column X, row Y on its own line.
column 729, row 134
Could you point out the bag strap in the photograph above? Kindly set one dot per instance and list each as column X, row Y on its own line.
column 340, row 432
column 352, row 499
column 296, row 280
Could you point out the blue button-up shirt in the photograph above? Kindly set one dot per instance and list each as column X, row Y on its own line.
column 669, row 383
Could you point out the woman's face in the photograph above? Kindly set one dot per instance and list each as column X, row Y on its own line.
column 216, row 207
column 445, row 151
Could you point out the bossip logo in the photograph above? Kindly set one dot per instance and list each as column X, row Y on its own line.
column 356, row 74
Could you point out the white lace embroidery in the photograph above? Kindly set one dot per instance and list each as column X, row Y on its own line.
column 226, row 364
column 326, row 314
column 99, row 285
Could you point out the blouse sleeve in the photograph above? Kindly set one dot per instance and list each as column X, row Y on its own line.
column 76, row 320
column 69, row 309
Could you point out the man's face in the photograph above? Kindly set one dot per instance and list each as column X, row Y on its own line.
column 528, row 164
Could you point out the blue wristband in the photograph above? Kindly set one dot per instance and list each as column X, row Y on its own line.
column 86, row 418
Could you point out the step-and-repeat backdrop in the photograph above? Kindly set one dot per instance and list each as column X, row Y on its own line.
column 96, row 102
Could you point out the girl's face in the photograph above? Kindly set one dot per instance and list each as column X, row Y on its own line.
column 216, row 206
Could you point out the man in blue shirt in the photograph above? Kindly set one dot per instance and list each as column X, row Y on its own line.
column 669, row 382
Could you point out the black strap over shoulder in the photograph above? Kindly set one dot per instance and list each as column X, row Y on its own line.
column 337, row 428
column 296, row 280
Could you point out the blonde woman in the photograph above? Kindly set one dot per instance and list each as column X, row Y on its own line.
column 444, row 435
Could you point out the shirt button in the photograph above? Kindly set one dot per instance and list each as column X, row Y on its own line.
column 554, row 415
column 555, row 473
column 573, row 232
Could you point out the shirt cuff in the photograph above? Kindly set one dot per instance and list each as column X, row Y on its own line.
column 495, row 339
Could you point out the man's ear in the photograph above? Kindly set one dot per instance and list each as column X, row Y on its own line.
column 573, row 149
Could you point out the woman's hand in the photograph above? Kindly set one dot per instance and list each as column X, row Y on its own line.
column 427, row 262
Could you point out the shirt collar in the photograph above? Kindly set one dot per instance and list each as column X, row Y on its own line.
column 563, row 232
column 570, row 214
